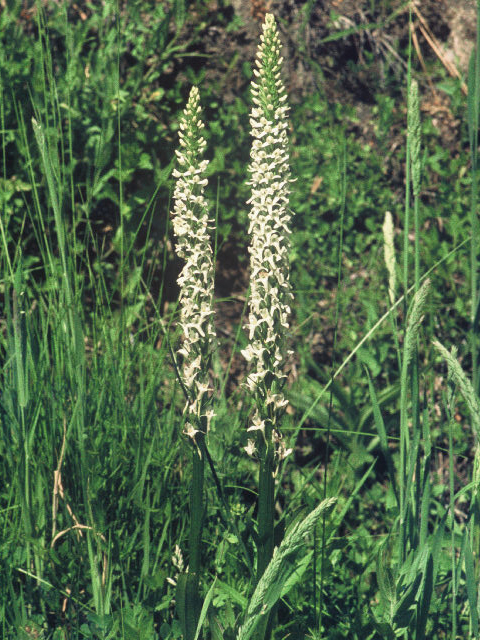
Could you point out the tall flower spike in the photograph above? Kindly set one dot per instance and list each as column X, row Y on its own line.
column 192, row 228
column 269, row 229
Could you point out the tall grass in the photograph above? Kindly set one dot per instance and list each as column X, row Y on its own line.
column 140, row 497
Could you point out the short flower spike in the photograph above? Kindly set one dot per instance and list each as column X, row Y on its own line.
column 192, row 228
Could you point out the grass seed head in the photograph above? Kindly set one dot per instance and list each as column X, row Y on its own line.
column 389, row 253
column 414, row 134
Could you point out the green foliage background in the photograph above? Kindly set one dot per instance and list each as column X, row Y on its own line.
column 106, row 84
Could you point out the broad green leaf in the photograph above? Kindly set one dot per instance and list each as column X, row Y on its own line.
column 188, row 604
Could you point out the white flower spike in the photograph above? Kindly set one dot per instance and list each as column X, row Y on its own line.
column 192, row 228
column 269, row 230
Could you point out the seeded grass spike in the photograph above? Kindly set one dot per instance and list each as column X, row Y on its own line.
column 285, row 560
column 457, row 374
column 270, row 292
column 389, row 253
column 414, row 135
column 192, row 228
column 414, row 146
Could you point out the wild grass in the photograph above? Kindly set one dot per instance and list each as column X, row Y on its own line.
column 369, row 529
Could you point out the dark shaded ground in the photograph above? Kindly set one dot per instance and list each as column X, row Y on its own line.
column 350, row 52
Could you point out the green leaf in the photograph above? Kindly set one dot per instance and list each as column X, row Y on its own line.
column 203, row 612
column 188, row 604
column 387, row 586
column 231, row 593
column 216, row 629
column 382, row 433
column 179, row 12
column 19, row 333
column 405, row 607
column 472, row 104
column 283, row 564
column 471, row 584
column 384, row 629
column 145, row 162
column 425, row 599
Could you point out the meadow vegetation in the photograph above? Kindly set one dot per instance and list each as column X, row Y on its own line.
column 240, row 362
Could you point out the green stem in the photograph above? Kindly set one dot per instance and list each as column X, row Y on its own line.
column 188, row 586
column 452, row 520
column 197, row 504
column 474, row 88
column 407, row 182
column 404, row 441
column 266, row 504
column 266, row 514
column 416, row 201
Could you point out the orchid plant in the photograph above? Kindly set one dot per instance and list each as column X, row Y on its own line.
column 270, row 291
column 192, row 227
column 270, row 299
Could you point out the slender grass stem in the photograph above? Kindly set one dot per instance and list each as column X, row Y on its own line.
column 406, row 222
column 451, row 515
column 197, row 505
column 343, row 200
column 473, row 117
